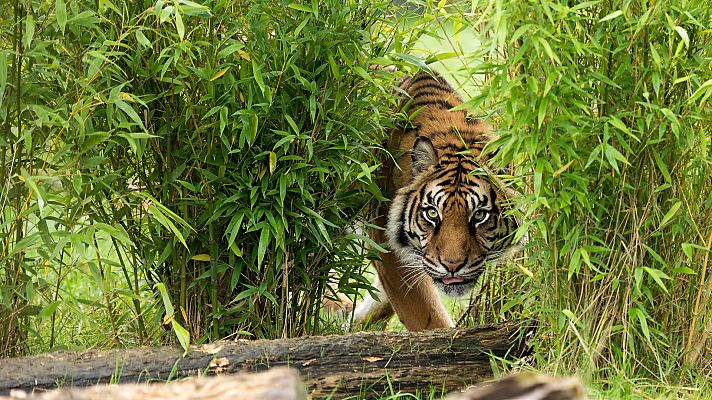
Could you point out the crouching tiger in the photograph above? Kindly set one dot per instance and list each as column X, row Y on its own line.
column 445, row 220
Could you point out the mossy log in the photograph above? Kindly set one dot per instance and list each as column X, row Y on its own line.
column 365, row 362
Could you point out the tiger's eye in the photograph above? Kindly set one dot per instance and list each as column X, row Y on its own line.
column 432, row 214
column 479, row 216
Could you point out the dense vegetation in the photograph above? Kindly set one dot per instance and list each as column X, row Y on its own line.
column 203, row 167
column 194, row 165
column 604, row 109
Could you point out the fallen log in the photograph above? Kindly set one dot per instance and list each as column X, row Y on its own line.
column 366, row 363
column 276, row 384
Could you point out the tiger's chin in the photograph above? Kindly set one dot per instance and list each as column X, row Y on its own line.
column 455, row 287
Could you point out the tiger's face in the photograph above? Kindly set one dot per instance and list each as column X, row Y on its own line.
column 448, row 222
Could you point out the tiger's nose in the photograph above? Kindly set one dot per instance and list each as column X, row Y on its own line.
column 453, row 266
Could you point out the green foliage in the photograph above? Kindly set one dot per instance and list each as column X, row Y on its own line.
column 603, row 107
column 217, row 153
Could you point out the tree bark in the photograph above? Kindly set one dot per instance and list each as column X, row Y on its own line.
column 369, row 363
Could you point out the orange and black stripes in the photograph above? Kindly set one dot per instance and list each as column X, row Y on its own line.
column 441, row 175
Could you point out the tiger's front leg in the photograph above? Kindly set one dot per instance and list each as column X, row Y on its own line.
column 414, row 298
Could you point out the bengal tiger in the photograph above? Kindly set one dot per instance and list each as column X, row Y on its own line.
column 445, row 221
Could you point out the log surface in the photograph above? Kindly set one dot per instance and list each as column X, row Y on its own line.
column 366, row 362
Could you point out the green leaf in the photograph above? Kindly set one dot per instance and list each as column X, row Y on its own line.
column 116, row 233
column 688, row 248
column 141, row 39
column 569, row 315
column 48, row 310
column 201, row 257
column 662, row 167
column 165, row 217
column 684, row 270
column 613, row 156
column 257, row 74
column 413, row 60
column 35, row 189
column 272, row 162
column 194, row 9
column 126, row 108
column 671, row 213
column 300, row 7
column 235, row 250
column 541, row 114
column 182, row 334
column 249, row 126
column 368, row 240
column 658, row 277
column 29, row 31
column 683, row 35
column 548, row 50
column 335, row 70
column 265, row 236
column 642, row 320
column 617, row 123
column 233, row 47
column 704, row 91
column 292, row 124
column 179, row 25
column 167, row 304
column 60, row 10
column 3, row 74
column 614, row 14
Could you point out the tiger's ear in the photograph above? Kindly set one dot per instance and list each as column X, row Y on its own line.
column 423, row 155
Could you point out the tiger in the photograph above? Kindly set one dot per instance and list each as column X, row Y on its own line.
column 445, row 221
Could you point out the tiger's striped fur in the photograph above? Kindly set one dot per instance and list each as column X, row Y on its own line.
column 444, row 222
column 446, row 215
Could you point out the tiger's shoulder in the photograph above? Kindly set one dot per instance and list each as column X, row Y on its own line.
column 437, row 112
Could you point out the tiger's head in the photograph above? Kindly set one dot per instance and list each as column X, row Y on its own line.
column 447, row 221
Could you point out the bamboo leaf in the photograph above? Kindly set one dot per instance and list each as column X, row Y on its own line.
column 265, row 236
column 658, row 277
column 182, row 334
column 167, row 304
column 60, row 10
column 300, row 7
column 142, row 39
column 683, row 35
column 3, row 74
column 201, row 257
column 219, row 74
column 670, row 214
column 257, row 74
column 704, row 91
column 250, row 124
column 180, row 28
column 613, row 15
column 128, row 109
column 29, row 32
column 272, row 162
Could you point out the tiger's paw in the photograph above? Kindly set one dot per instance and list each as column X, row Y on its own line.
column 340, row 307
